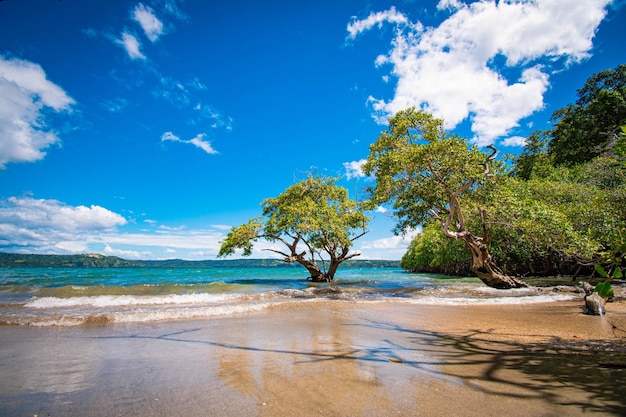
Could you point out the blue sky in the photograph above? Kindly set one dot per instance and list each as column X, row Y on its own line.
column 146, row 129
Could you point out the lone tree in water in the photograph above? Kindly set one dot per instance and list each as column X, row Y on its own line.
column 425, row 172
column 314, row 220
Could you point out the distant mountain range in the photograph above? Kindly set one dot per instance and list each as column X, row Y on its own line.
column 101, row 261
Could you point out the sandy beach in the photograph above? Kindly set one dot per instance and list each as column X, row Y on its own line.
column 326, row 358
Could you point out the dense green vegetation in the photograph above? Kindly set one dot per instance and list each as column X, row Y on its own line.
column 558, row 208
column 100, row 261
column 431, row 175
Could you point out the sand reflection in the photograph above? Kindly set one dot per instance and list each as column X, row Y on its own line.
column 311, row 366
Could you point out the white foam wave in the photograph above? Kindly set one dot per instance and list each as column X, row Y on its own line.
column 76, row 317
column 104, row 301
column 188, row 313
column 461, row 301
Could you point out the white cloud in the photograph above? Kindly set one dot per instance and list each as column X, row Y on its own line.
column 48, row 224
column 449, row 4
column 221, row 226
column 376, row 19
column 354, row 169
column 454, row 70
column 393, row 242
column 54, row 215
column 25, row 92
column 172, row 228
column 198, row 141
column 151, row 25
column 73, row 246
column 514, row 141
column 126, row 254
column 132, row 46
column 393, row 247
column 206, row 240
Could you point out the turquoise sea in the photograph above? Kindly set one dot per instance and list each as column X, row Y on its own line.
column 72, row 296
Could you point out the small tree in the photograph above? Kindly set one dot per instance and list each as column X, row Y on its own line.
column 426, row 173
column 315, row 221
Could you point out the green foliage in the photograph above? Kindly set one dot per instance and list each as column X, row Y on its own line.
column 66, row 261
column 431, row 251
column 314, row 213
column 620, row 147
column 316, row 210
column 604, row 289
column 419, row 167
column 534, row 159
column 530, row 226
column 242, row 237
column 588, row 129
column 539, row 221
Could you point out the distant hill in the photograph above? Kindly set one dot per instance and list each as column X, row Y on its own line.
column 101, row 261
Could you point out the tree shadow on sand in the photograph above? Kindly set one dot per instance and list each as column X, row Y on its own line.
column 538, row 370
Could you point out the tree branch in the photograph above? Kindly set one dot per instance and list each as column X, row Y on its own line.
column 352, row 255
column 489, row 159
column 360, row 235
column 278, row 252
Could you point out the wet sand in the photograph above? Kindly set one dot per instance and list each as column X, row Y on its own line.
column 326, row 358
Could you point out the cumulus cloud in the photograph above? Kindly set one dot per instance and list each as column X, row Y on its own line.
column 132, row 46
column 198, row 141
column 354, row 169
column 457, row 70
column 151, row 25
column 393, row 247
column 25, row 94
column 30, row 225
column 48, row 224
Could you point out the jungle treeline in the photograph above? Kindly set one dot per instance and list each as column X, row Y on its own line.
column 559, row 207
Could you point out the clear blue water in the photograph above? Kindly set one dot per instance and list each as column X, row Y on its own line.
column 71, row 296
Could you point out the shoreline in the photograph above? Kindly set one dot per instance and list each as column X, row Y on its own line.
column 326, row 358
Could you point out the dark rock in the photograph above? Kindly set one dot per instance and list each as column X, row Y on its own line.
column 594, row 304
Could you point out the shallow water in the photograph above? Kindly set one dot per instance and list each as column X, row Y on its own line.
column 72, row 296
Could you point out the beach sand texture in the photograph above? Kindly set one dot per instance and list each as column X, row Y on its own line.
column 326, row 358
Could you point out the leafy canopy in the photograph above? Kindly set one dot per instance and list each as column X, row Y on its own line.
column 420, row 167
column 315, row 212
column 589, row 128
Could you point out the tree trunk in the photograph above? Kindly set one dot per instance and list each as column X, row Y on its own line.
column 332, row 268
column 484, row 267
column 316, row 274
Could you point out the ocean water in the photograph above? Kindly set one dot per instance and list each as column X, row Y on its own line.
column 74, row 296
